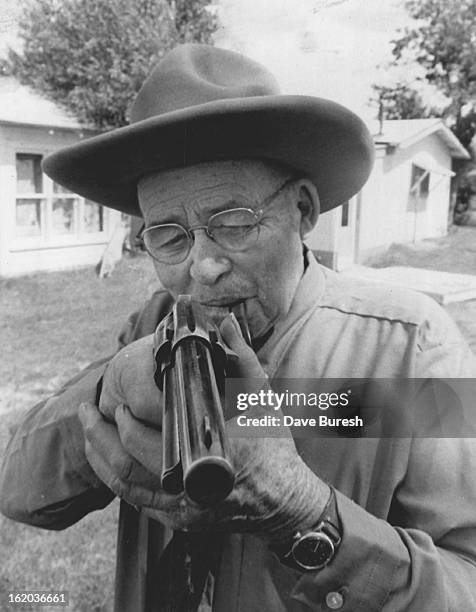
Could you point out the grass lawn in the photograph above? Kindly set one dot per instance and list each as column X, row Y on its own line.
column 51, row 326
column 456, row 252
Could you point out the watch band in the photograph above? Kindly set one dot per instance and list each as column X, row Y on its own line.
column 314, row 549
column 329, row 514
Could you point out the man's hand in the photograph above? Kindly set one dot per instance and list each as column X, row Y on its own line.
column 275, row 492
column 129, row 380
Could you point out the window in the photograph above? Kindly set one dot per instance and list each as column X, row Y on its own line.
column 419, row 189
column 344, row 219
column 93, row 217
column 49, row 213
column 29, row 192
column 64, row 204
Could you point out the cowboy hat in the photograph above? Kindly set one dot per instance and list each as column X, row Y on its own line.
column 202, row 104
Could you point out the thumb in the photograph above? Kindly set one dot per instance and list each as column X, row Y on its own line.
column 248, row 365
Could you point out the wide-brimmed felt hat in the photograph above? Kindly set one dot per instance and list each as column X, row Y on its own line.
column 203, row 103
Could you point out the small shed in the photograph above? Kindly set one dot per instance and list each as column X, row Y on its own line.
column 42, row 225
column 406, row 199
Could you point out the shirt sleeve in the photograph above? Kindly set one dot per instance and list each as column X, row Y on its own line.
column 421, row 557
column 45, row 478
column 426, row 560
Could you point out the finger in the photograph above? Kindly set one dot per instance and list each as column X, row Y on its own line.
column 106, row 452
column 167, row 506
column 141, row 442
column 133, row 493
column 129, row 379
column 249, row 365
column 101, row 467
column 231, row 332
column 125, row 476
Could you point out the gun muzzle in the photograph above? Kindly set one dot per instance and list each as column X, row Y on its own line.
column 190, row 370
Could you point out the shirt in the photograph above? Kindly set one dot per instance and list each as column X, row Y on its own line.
column 407, row 505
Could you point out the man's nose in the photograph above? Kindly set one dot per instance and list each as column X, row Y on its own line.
column 209, row 261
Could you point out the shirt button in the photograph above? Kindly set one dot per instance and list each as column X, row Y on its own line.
column 334, row 600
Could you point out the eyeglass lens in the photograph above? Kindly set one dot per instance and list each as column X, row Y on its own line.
column 235, row 229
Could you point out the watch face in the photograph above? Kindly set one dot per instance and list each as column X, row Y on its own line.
column 313, row 551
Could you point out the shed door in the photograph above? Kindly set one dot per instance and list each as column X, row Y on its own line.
column 417, row 205
column 345, row 236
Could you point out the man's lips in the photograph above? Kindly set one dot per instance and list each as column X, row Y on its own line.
column 222, row 303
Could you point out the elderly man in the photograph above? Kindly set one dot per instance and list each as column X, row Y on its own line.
column 229, row 177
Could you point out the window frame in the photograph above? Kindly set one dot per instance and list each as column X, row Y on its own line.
column 419, row 192
column 48, row 238
column 345, row 214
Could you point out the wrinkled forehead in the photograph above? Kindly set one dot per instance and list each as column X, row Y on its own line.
column 248, row 178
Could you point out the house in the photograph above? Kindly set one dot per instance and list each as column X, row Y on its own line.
column 406, row 198
column 42, row 225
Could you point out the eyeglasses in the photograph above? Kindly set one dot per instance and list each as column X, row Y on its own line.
column 236, row 229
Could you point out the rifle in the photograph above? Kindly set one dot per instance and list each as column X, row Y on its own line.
column 191, row 362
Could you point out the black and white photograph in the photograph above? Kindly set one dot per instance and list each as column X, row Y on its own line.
column 238, row 305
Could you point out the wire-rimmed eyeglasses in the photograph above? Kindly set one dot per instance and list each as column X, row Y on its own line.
column 235, row 229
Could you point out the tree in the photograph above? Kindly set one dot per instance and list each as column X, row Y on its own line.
column 443, row 42
column 193, row 20
column 91, row 56
column 400, row 102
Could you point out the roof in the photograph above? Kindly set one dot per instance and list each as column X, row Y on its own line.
column 21, row 105
column 406, row 132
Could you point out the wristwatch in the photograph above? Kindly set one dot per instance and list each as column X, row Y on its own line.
column 314, row 549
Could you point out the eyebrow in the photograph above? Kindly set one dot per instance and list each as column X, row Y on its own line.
column 170, row 219
column 207, row 212
column 211, row 210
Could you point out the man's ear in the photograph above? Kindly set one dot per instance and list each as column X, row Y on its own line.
column 308, row 204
